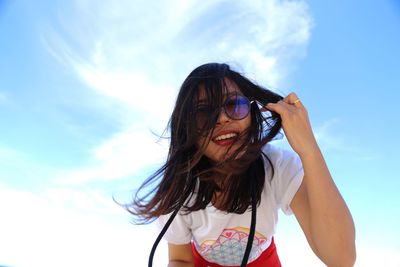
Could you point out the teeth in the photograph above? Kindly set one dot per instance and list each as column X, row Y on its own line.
column 225, row 136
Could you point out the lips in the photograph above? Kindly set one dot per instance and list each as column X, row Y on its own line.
column 225, row 138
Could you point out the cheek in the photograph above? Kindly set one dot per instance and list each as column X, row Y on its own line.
column 248, row 121
column 203, row 143
column 209, row 148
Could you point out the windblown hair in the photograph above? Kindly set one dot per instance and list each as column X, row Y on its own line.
column 189, row 180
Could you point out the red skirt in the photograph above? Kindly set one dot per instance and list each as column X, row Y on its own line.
column 269, row 258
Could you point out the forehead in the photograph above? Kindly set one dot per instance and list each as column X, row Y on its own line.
column 229, row 88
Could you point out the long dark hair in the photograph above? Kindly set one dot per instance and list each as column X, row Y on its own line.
column 189, row 180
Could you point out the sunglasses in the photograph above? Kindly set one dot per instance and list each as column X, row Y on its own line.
column 236, row 107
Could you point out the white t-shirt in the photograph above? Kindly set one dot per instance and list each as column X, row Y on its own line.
column 221, row 237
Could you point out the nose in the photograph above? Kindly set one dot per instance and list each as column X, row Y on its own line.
column 222, row 117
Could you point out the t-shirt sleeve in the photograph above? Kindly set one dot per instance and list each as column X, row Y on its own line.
column 288, row 175
column 179, row 232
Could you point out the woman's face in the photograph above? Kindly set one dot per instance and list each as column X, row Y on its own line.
column 228, row 134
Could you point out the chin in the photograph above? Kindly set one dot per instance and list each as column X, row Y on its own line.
column 218, row 158
column 218, row 154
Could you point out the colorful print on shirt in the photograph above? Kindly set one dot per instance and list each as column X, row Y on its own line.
column 230, row 246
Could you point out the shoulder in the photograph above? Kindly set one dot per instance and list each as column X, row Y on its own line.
column 288, row 174
column 286, row 166
column 279, row 156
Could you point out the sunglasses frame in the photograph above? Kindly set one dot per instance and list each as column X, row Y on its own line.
column 223, row 107
column 249, row 103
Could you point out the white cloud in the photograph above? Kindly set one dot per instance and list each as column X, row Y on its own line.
column 133, row 90
column 372, row 255
column 294, row 250
column 48, row 231
column 265, row 37
column 122, row 155
column 64, row 227
column 136, row 55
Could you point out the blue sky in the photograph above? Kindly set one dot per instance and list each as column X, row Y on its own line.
column 83, row 84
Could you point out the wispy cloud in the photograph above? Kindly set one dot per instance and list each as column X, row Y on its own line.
column 123, row 155
column 331, row 139
column 138, row 54
column 163, row 41
column 64, row 227
column 324, row 133
column 297, row 253
column 3, row 98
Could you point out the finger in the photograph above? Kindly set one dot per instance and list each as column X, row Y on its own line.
column 287, row 105
column 293, row 100
column 281, row 107
column 266, row 107
column 290, row 98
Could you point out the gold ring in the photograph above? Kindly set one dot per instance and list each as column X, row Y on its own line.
column 296, row 101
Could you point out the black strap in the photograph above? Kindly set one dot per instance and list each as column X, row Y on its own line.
column 165, row 228
column 252, row 228
column 249, row 240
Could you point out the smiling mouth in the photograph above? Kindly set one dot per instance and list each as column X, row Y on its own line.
column 226, row 139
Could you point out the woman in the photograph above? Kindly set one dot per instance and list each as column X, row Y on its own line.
column 223, row 183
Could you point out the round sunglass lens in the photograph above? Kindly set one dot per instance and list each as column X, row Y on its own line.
column 237, row 107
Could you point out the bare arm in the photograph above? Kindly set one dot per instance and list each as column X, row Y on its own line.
column 323, row 214
column 318, row 205
column 180, row 255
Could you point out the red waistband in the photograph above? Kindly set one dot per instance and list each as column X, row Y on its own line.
column 269, row 258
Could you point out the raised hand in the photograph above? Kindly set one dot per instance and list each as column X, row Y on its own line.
column 295, row 124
